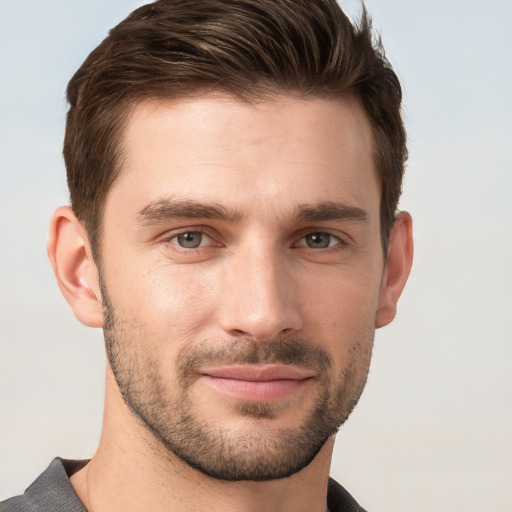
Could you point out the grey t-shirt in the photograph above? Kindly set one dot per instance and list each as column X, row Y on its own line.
column 52, row 492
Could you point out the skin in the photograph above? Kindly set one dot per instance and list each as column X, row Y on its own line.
column 261, row 273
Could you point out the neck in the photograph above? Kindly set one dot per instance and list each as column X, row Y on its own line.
column 132, row 471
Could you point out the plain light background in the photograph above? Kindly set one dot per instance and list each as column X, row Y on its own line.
column 433, row 430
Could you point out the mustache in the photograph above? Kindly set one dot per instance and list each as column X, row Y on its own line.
column 248, row 351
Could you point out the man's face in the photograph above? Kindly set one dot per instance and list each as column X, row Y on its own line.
column 241, row 268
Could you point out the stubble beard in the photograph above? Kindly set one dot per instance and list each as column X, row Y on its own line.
column 220, row 452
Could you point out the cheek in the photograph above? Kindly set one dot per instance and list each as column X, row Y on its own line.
column 346, row 300
column 342, row 321
column 169, row 302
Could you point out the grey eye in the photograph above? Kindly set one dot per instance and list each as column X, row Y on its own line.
column 319, row 240
column 190, row 240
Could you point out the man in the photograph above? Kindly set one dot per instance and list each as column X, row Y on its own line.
column 234, row 170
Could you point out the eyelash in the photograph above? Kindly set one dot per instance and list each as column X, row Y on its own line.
column 196, row 231
column 339, row 244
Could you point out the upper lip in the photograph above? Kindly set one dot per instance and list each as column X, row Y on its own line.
column 259, row 373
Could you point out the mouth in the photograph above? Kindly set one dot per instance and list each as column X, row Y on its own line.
column 257, row 383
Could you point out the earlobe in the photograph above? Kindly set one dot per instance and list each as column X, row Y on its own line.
column 76, row 272
column 399, row 262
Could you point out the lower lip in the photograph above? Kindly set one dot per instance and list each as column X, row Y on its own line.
column 256, row 391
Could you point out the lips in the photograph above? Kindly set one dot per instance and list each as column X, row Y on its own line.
column 258, row 383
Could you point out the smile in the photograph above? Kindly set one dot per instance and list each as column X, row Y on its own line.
column 259, row 383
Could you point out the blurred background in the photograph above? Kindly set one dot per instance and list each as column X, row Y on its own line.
column 433, row 430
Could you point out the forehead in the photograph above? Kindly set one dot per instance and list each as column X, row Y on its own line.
column 270, row 155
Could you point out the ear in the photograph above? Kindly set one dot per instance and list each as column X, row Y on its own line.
column 399, row 261
column 70, row 254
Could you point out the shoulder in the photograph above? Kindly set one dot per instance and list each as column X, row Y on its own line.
column 339, row 500
column 50, row 492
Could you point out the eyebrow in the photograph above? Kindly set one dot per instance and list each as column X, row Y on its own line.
column 165, row 209
column 330, row 210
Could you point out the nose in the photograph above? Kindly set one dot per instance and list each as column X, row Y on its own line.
column 259, row 298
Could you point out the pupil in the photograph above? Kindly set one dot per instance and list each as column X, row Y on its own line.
column 189, row 240
column 319, row 240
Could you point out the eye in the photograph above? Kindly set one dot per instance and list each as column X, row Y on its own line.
column 319, row 240
column 190, row 239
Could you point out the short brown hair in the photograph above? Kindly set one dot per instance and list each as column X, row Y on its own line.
column 250, row 49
